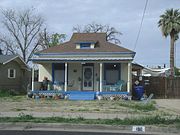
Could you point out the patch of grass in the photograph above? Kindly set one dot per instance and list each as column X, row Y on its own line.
column 25, row 117
column 150, row 120
column 6, row 93
column 10, row 98
column 10, row 93
column 83, row 110
column 96, row 109
column 17, row 98
column 145, row 107
column 138, row 106
column 18, row 109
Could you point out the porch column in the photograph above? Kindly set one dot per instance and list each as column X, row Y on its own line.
column 65, row 83
column 129, row 77
column 32, row 79
column 100, row 74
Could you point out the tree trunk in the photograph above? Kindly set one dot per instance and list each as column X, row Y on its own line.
column 172, row 55
column 24, row 56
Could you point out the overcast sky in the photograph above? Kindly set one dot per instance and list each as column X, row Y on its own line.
column 125, row 15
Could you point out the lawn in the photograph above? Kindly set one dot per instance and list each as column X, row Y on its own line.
column 128, row 112
column 24, row 104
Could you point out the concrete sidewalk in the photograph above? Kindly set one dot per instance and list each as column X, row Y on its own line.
column 84, row 127
column 72, row 115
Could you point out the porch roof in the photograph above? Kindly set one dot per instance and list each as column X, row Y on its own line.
column 82, row 59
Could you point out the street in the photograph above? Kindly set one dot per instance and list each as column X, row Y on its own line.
column 21, row 132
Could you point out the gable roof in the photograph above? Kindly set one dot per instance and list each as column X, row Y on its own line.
column 102, row 45
column 4, row 59
column 7, row 58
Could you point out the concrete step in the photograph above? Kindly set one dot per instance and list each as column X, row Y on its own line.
column 81, row 96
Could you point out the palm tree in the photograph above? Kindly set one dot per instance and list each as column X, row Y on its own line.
column 170, row 26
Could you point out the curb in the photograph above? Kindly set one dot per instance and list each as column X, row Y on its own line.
column 86, row 127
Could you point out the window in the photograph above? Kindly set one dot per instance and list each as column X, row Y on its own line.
column 59, row 71
column 85, row 45
column 112, row 73
column 11, row 73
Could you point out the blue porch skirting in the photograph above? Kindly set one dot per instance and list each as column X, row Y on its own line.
column 78, row 95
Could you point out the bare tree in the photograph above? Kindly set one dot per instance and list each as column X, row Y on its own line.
column 47, row 40
column 112, row 33
column 23, row 29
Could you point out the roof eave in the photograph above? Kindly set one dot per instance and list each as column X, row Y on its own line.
column 78, row 53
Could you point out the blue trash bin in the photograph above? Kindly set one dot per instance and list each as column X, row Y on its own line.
column 139, row 91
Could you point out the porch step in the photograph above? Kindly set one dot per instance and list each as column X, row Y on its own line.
column 81, row 96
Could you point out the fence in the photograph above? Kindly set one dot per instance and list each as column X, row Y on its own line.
column 161, row 87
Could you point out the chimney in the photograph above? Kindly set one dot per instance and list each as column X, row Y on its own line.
column 1, row 52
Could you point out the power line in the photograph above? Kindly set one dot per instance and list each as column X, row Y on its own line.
column 139, row 31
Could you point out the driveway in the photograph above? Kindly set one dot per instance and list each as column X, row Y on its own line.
column 170, row 105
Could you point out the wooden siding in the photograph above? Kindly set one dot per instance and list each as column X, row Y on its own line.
column 18, row 83
column 161, row 87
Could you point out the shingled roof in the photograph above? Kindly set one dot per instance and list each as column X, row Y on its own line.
column 102, row 45
column 6, row 58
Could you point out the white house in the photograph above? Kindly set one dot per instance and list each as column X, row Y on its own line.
column 87, row 62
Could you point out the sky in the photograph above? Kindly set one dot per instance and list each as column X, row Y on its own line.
column 152, row 48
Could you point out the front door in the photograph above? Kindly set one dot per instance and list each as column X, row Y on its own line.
column 87, row 77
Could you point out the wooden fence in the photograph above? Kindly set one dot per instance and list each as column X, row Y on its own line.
column 161, row 87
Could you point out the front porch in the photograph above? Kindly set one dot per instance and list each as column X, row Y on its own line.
column 85, row 76
column 92, row 78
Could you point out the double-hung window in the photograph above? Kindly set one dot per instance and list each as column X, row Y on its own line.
column 11, row 73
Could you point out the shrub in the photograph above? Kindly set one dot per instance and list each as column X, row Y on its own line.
column 7, row 93
column 25, row 117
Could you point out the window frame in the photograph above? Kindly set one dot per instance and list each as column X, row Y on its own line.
column 110, row 66
column 9, row 73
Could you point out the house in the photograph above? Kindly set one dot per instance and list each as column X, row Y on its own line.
column 14, row 73
column 87, row 62
column 140, row 70
column 164, row 72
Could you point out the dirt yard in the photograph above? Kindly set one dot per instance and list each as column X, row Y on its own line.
column 113, row 109
column 169, row 105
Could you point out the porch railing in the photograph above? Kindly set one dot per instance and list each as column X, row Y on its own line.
column 118, row 86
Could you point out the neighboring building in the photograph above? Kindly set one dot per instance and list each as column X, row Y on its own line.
column 87, row 62
column 164, row 72
column 140, row 70
column 14, row 73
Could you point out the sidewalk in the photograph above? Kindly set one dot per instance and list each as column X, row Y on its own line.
column 84, row 127
column 71, row 115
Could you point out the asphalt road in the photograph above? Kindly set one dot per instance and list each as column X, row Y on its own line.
column 11, row 132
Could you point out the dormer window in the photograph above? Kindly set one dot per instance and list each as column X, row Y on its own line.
column 85, row 45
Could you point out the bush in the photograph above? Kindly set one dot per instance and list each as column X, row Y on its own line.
column 25, row 117
column 7, row 93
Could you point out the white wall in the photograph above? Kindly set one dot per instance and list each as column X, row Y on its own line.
column 74, row 72
column 124, row 71
column 45, row 70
